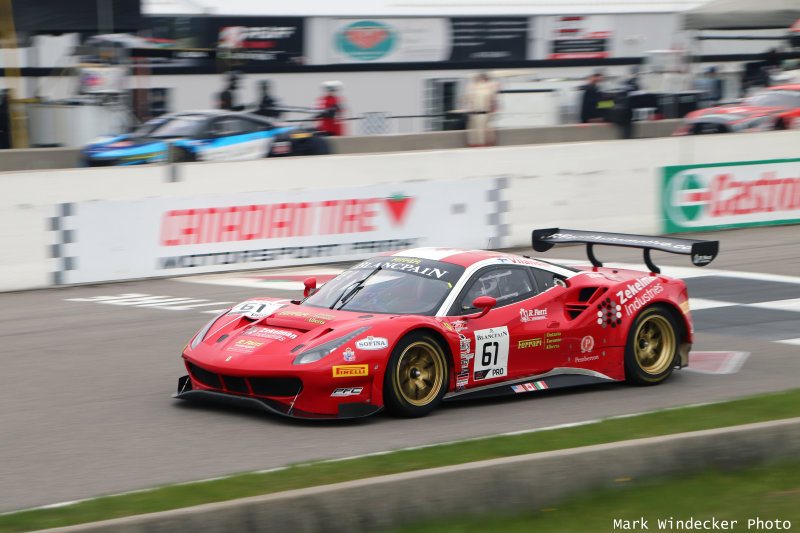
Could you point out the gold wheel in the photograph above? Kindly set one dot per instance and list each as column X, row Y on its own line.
column 654, row 344
column 419, row 373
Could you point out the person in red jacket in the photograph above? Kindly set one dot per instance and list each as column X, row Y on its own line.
column 331, row 106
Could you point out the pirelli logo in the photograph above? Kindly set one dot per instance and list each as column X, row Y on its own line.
column 347, row 371
column 529, row 343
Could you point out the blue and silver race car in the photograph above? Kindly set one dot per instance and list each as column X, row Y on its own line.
column 204, row 136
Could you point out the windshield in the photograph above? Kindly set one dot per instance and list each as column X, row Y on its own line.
column 392, row 285
column 179, row 126
column 776, row 98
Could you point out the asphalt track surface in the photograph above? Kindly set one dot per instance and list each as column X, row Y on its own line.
column 85, row 406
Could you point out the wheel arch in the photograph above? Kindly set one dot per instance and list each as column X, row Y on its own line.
column 443, row 343
column 394, row 395
column 684, row 337
column 674, row 311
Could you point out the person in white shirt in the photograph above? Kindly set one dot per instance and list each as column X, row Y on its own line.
column 480, row 103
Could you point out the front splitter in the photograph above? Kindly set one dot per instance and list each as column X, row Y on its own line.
column 346, row 410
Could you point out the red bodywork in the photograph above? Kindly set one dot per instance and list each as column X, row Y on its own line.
column 745, row 117
column 567, row 334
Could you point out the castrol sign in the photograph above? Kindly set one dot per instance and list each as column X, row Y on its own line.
column 730, row 195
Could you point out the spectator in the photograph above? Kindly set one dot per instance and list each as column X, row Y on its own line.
column 711, row 86
column 227, row 96
column 621, row 112
column 267, row 105
column 225, row 100
column 590, row 103
column 480, row 104
column 331, row 106
column 632, row 83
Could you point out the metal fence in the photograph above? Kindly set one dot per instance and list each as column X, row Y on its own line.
column 378, row 123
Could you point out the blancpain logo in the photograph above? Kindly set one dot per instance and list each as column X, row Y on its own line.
column 372, row 343
column 698, row 259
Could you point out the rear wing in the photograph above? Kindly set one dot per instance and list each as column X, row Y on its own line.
column 702, row 252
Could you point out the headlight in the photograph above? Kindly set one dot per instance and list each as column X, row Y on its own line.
column 203, row 332
column 318, row 352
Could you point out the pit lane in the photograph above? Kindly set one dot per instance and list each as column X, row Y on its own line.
column 86, row 407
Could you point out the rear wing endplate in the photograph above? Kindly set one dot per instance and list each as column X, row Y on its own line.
column 702, row 252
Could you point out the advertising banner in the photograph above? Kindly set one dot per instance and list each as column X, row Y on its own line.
column 394, row 40
column 274, row 40
column 399, row 40
column 101, row 80
column 730, row 195
column 109, row 240
column 495, row 39
column 201, row 41
column 579, row 37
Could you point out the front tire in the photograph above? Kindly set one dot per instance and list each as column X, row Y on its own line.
column 652, row 347
column 416, row 377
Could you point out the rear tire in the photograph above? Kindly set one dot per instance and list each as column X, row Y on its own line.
column 182, row 155
column 318, row 146
column 652, row 347
column 416, row 377
column 314, row 145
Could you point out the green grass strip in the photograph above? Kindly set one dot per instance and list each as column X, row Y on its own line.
column 742, row 411
column 753, row 497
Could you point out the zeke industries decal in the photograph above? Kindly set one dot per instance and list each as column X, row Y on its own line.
column 491, row 353
column 637, row 294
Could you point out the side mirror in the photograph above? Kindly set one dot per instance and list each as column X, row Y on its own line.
column 310, row 285
column 484, row 303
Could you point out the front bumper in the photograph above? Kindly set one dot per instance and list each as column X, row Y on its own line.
column 345, row 410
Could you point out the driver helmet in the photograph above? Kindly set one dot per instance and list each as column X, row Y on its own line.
column 331, row 85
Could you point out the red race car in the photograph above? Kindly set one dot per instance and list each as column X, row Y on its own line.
column 406, row 330
column 773, row 108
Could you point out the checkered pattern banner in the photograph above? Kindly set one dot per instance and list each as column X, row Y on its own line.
column 497, row 217
column 63, row 239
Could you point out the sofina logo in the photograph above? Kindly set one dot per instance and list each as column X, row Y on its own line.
column 366, row 40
